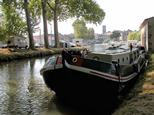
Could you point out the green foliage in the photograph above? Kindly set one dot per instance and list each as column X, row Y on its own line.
column 81, row 31
column 90, row 34
column 92, row 12
column 115, row 35
column 35, row 13
column 13, row 21
column 106, row 41
column 77, row 21
column 89, row 10
column 134, row 35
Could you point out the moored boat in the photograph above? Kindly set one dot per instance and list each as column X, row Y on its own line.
column 80, row 78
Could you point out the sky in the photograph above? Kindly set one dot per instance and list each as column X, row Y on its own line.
column 120, row 15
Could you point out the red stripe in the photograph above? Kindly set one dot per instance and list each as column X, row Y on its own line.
column 43, row 69
column 110, row 76
column 103, row 75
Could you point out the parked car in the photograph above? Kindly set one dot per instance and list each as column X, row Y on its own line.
column 4, row 46
column 39, row 45
column 71, row 44
column 63, row 44
column 17, row 42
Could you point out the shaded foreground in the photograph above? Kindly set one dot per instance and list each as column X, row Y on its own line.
column 140, row 99
column 14, row 54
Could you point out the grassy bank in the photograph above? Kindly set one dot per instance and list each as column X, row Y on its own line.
column 14, row 54
column 140, row 99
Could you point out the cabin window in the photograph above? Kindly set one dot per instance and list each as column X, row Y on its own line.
column 18, row 40
column 123, row 59
column 118, row 60
column 51, row 61
column 126, row 58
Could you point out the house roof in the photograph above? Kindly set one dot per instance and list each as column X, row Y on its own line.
column 145, row 22
column 109, row 33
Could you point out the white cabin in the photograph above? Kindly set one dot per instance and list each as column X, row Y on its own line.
column 122, row 55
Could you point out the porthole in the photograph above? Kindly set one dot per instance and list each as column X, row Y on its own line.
column 74, row 60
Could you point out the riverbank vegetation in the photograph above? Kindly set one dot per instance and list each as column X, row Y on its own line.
column 135, row 35
column 14, row 54
column 140, row 99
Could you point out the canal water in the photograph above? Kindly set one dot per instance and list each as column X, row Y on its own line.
column 23, row 91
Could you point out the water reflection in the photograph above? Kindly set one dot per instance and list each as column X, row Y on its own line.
column 22, row 90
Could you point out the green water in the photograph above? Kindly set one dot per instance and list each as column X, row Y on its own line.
column 23, row 92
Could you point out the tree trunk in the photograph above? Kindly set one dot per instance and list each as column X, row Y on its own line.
column 30, row 33
column 56, row 25
column 45, row 24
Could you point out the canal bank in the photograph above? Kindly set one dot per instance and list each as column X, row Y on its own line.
column 14, row 54
column 139, row 100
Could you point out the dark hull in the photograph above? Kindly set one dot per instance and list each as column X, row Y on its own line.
column 81, row 89
column 90, row 83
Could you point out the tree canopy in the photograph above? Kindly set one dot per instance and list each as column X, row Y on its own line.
column 13, row 20
column 134, row 35
column 61, row 10
column 81, row 31
column 90, row 34
column 115, row 35
column 13, row 16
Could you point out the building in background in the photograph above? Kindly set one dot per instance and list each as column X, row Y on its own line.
column 147, row 34
column 102, row 37
column 124, row 35
column 103, row 29
column 51, row 39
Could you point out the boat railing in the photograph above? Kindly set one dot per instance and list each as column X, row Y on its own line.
column 99, row 65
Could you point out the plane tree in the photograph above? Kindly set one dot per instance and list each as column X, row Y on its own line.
column 81, row 31
column 11, row 22
column 61, row 10
column 15, row 13
column 80, row 28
